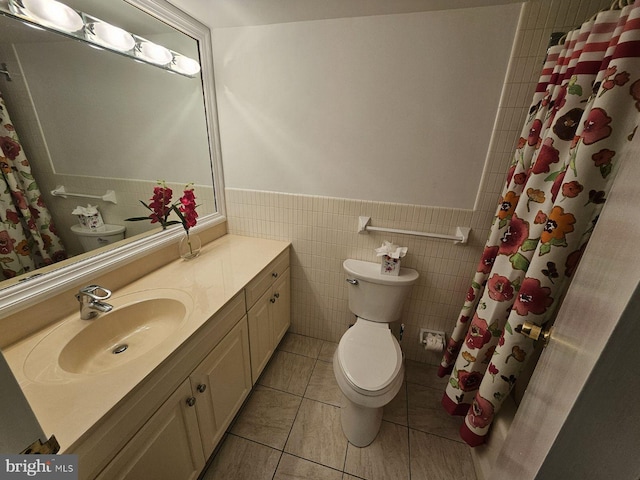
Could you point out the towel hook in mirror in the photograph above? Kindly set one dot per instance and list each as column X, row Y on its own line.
column 5, row 71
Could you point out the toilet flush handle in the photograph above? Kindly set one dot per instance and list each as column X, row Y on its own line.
column 352, row 281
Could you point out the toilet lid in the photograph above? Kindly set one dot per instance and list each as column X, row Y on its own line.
column 369, row 355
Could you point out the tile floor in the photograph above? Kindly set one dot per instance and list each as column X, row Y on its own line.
column 289, row 428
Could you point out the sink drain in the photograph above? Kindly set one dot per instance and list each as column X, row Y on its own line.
column 120, row 349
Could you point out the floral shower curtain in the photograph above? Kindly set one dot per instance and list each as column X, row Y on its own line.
column 585, row 109
column 28, row 238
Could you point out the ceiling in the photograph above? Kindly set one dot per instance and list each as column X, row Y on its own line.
column 232, row 13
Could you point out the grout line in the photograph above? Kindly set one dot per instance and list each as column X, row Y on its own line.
column 275, row 471
column 344, row 463
column 314, row 462
column 409, row 439
column 306, row 387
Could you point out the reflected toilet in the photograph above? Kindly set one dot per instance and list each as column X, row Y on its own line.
column 90, row 239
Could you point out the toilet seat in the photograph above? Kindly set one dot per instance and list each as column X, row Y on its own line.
column 370, row 357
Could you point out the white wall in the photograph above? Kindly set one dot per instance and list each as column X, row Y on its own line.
column 323, row 230
column 393, row 108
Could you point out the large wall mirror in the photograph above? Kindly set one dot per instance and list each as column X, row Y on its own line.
column 96, row 121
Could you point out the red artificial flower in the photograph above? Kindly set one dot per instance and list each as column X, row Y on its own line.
column 548, row 155
column 188, row 209
column 12, row 217
column 572, row 189
column 481, row 412
column 10, row 148
column 488, row 258
column 19, row 199
column 517, row 232
column 596, row 126
column 478, row 334
column 6, row 242
column 520, row 178
column 500, row 288
column 471, row 295
column 532, row 297
column 603, row 157
column 469, row 381
column 161, row 207
column 160, row 204
column 534, row 133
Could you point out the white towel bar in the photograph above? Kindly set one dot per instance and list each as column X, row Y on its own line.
column 60, row 191
column 461, row 237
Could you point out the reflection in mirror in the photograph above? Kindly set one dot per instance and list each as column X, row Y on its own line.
column 95, row 121
column 61, row 18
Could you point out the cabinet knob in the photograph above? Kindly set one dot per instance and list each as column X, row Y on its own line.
column 277, row 295
column 272, row 300
column 274, row 274
column 201, row 388
column 191, row 401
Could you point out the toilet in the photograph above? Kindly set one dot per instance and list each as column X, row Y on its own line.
column 368, row 363
column 90, row 239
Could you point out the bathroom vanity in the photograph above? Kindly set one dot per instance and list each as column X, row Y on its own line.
column 203, row 331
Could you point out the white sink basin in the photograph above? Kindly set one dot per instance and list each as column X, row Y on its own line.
column 122, row 335
column 138, row 323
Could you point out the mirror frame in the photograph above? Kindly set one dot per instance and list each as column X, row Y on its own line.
column 27, row 291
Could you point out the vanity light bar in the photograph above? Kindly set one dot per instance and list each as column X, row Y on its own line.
column 58, row 17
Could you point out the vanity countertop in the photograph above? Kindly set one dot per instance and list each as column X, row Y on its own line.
column 68, row 405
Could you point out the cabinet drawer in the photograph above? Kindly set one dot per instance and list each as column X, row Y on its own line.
column 265, row 278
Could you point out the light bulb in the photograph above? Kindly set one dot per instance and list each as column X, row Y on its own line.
column 185, row 65
column 49, row 13
column 110, row 36
column 153, row 53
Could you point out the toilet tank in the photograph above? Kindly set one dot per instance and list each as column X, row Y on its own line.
column 90, row 239
column 374, row 296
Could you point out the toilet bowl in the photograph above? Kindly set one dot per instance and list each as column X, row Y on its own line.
column 90, row 239
column 369, row 369
column 368, row 363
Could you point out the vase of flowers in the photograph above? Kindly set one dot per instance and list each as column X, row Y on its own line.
column 161, row 207
column 189, row 246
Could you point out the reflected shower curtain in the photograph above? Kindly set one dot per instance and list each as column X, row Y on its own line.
column 585, row 109
column 27, row 235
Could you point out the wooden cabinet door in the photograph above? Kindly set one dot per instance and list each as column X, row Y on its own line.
column 220, row 384
column 281, row 309
column 261, row 334
column 167, row 447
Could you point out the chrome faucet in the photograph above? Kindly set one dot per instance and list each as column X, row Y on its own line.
column 91, row 304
